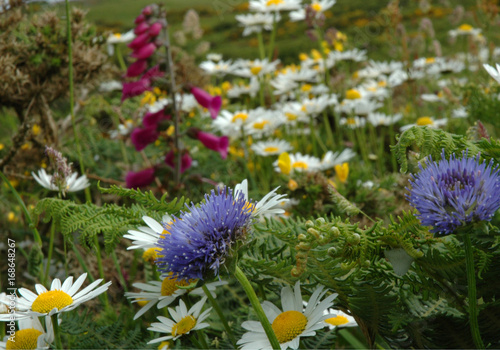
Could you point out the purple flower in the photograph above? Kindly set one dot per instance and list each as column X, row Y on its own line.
column 212, row 103
column 141, row 28
column 139, row 41
column 455, row 192
column 141, row 137
column 141, row 178
column 155, row 29
column 204, row 238
column 186, row 161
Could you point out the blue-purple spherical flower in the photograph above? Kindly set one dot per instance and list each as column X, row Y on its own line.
column 203, row 238
column 455, row 192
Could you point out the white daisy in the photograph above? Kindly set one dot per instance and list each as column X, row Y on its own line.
column 30, row 335
column 289, row 325
column 73, row 183
column 426, row 121
column 217, row 68
column 270, row 204
column 255, row 68
column 216, row 57
column 230, row 123
column 274, row 5
column 338, row 318
column 459, row 112
column 183, row 321
column 255, row 22
column 379, row 119
column 271, row 147
column 494, row 72
column 300, row 163
column 147, row 237
column 165, row 293
column 353, row 122
column 117, row 38
column 439, row 97
column 330, row 159
column 464, row 29
column 60, row 297
column 319, row 7
column 252, row 88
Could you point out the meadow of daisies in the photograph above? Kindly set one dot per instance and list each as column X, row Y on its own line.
column 296, row 174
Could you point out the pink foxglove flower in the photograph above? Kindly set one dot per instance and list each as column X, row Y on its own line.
column 155, row 29
column 212, row 103
column 139, row 19
column 215, row 143
column 139, row 41
column 141, row 28
column 144, row 52
column 141, row 137
column 136, row 68
column 141, row 178
column 151, row 120
column 186, row 161
column 135, row 88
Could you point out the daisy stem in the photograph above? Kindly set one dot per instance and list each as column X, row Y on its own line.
column 261, row 45
column 119, row 270
column 119, row 57
column 245, row 283
column 202, row 340
column 88, row 197
column 273, row 38
column 471, row 288
column 57, row 334
column 219, row 312
column 101, row 270
column 36, row 234
column 51, row 249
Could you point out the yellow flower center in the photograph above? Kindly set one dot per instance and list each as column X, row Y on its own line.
column 382, row 83
column 117, row 35
column 249, row 207
column 239, row 116
column 271, row 149
column 291, row 116
column 164, row 345
column 184, row 326
column 150, row 255
column 352, row 94
column 372, row 89
column 284, row 163
column 337, row 320
column 306, row 87
column 288, row 325
column 226, row 86
column 51, row 299
column 274, row 2
column 424, row 121
column 430, row 60
column 170, row 285
column 465, row 27
column 24, row 339
column 36, row 129
column 301, row 165
column 260, row 125
column 255, row 70
column 351, row 121
column 316, row 55
column 316, row 7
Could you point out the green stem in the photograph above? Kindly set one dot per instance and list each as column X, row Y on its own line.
column 36, row 234
column 201, row 339
column 88, row 197
column 219, row 312
column 351, row 339
column 272, row 39
column 99, row 266
column 119, row 57
column 51, row 249
column 120, row 274
column 245, row 283
column 261, row 45
column 57, row 333
column 471, row 287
